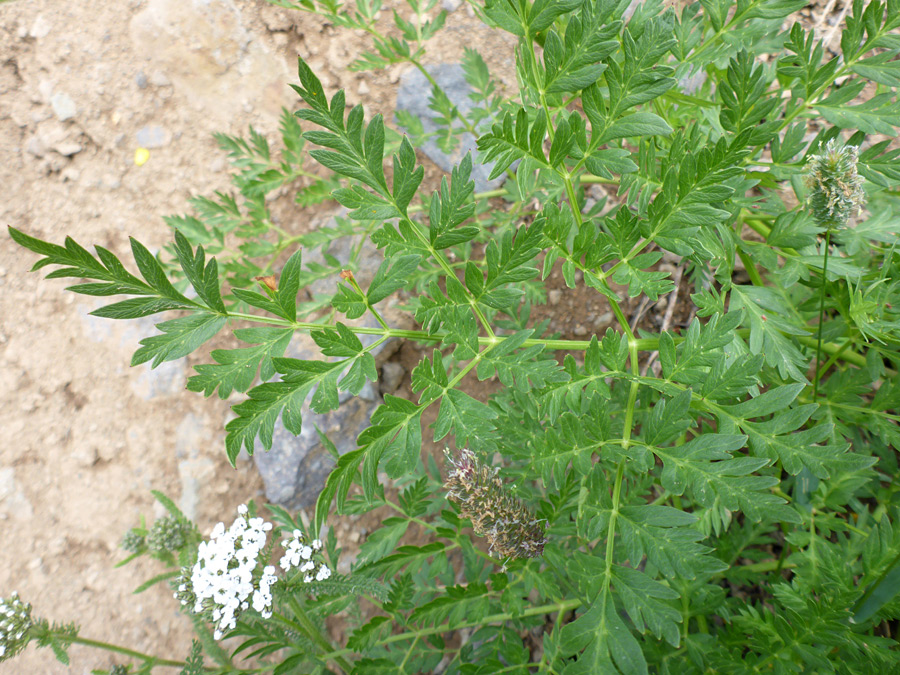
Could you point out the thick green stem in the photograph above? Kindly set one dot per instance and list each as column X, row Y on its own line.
column 821, row 315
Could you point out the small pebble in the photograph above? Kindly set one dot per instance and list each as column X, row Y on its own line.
column 153, row 136
column 141, row 80
column 35, row 146
column 603, row 320
column 554, row 296
column 63, row 106
column 40, row 28
column 68, row 149
column 580, row 330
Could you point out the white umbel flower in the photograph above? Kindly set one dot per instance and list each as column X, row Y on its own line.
column 15, row 622
column 299, row 555
column 224, row 582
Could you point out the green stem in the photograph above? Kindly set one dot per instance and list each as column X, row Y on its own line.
column 563, row 606
column 316, row 636
column 833, row 358
column 124, row 651
column 821, row 315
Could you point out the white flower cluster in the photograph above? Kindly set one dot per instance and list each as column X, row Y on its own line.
column 299, row 554
column 223, row 581
column 15, row 620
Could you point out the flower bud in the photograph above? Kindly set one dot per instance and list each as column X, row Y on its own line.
column 510, row 529
column 133, row 541
column 168, row 534
column 835, row 186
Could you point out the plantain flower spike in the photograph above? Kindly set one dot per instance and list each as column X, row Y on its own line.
column 835, row 186
column 510, row 529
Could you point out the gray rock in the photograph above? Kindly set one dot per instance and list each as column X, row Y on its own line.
column 141, row 80
column 451, row 5
column 63, row 106
column 413, row 96
column 194, row 469
column 391, row 377
column 295, row 469
column 153, row 136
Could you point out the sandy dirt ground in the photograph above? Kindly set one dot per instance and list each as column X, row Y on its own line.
column 84, row 437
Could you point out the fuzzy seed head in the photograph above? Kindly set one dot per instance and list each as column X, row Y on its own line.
column 835, row 185
column 510, row 529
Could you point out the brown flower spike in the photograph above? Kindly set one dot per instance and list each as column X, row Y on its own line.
column 510, row 529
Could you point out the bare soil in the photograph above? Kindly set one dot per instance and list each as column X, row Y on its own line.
column 83, row 437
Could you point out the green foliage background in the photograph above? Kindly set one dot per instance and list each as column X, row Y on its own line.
column 734, row 513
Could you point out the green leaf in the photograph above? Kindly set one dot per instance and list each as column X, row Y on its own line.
column 574, row 63
column 644, row 601
column 882, row 68
column 522, row 370
column 665, row 536
column 514, row 138
column 467, row 417
column 458, row 604
column 203, row 277
column 602, row 642
column 508, row 262
column 392, row 274
column 288, row 287
column 164, row 576
column 74, row 261
column 383, row 540
column 180, row 337
column 394, row 437
column 705, row 465
column 636, row 124
column 877, row 115
column 451, row 206
column 258, row 414
column 765, row 310
column 881, row 561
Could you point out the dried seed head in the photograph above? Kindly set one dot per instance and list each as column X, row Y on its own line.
column 835, row 185
column 510, row 529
